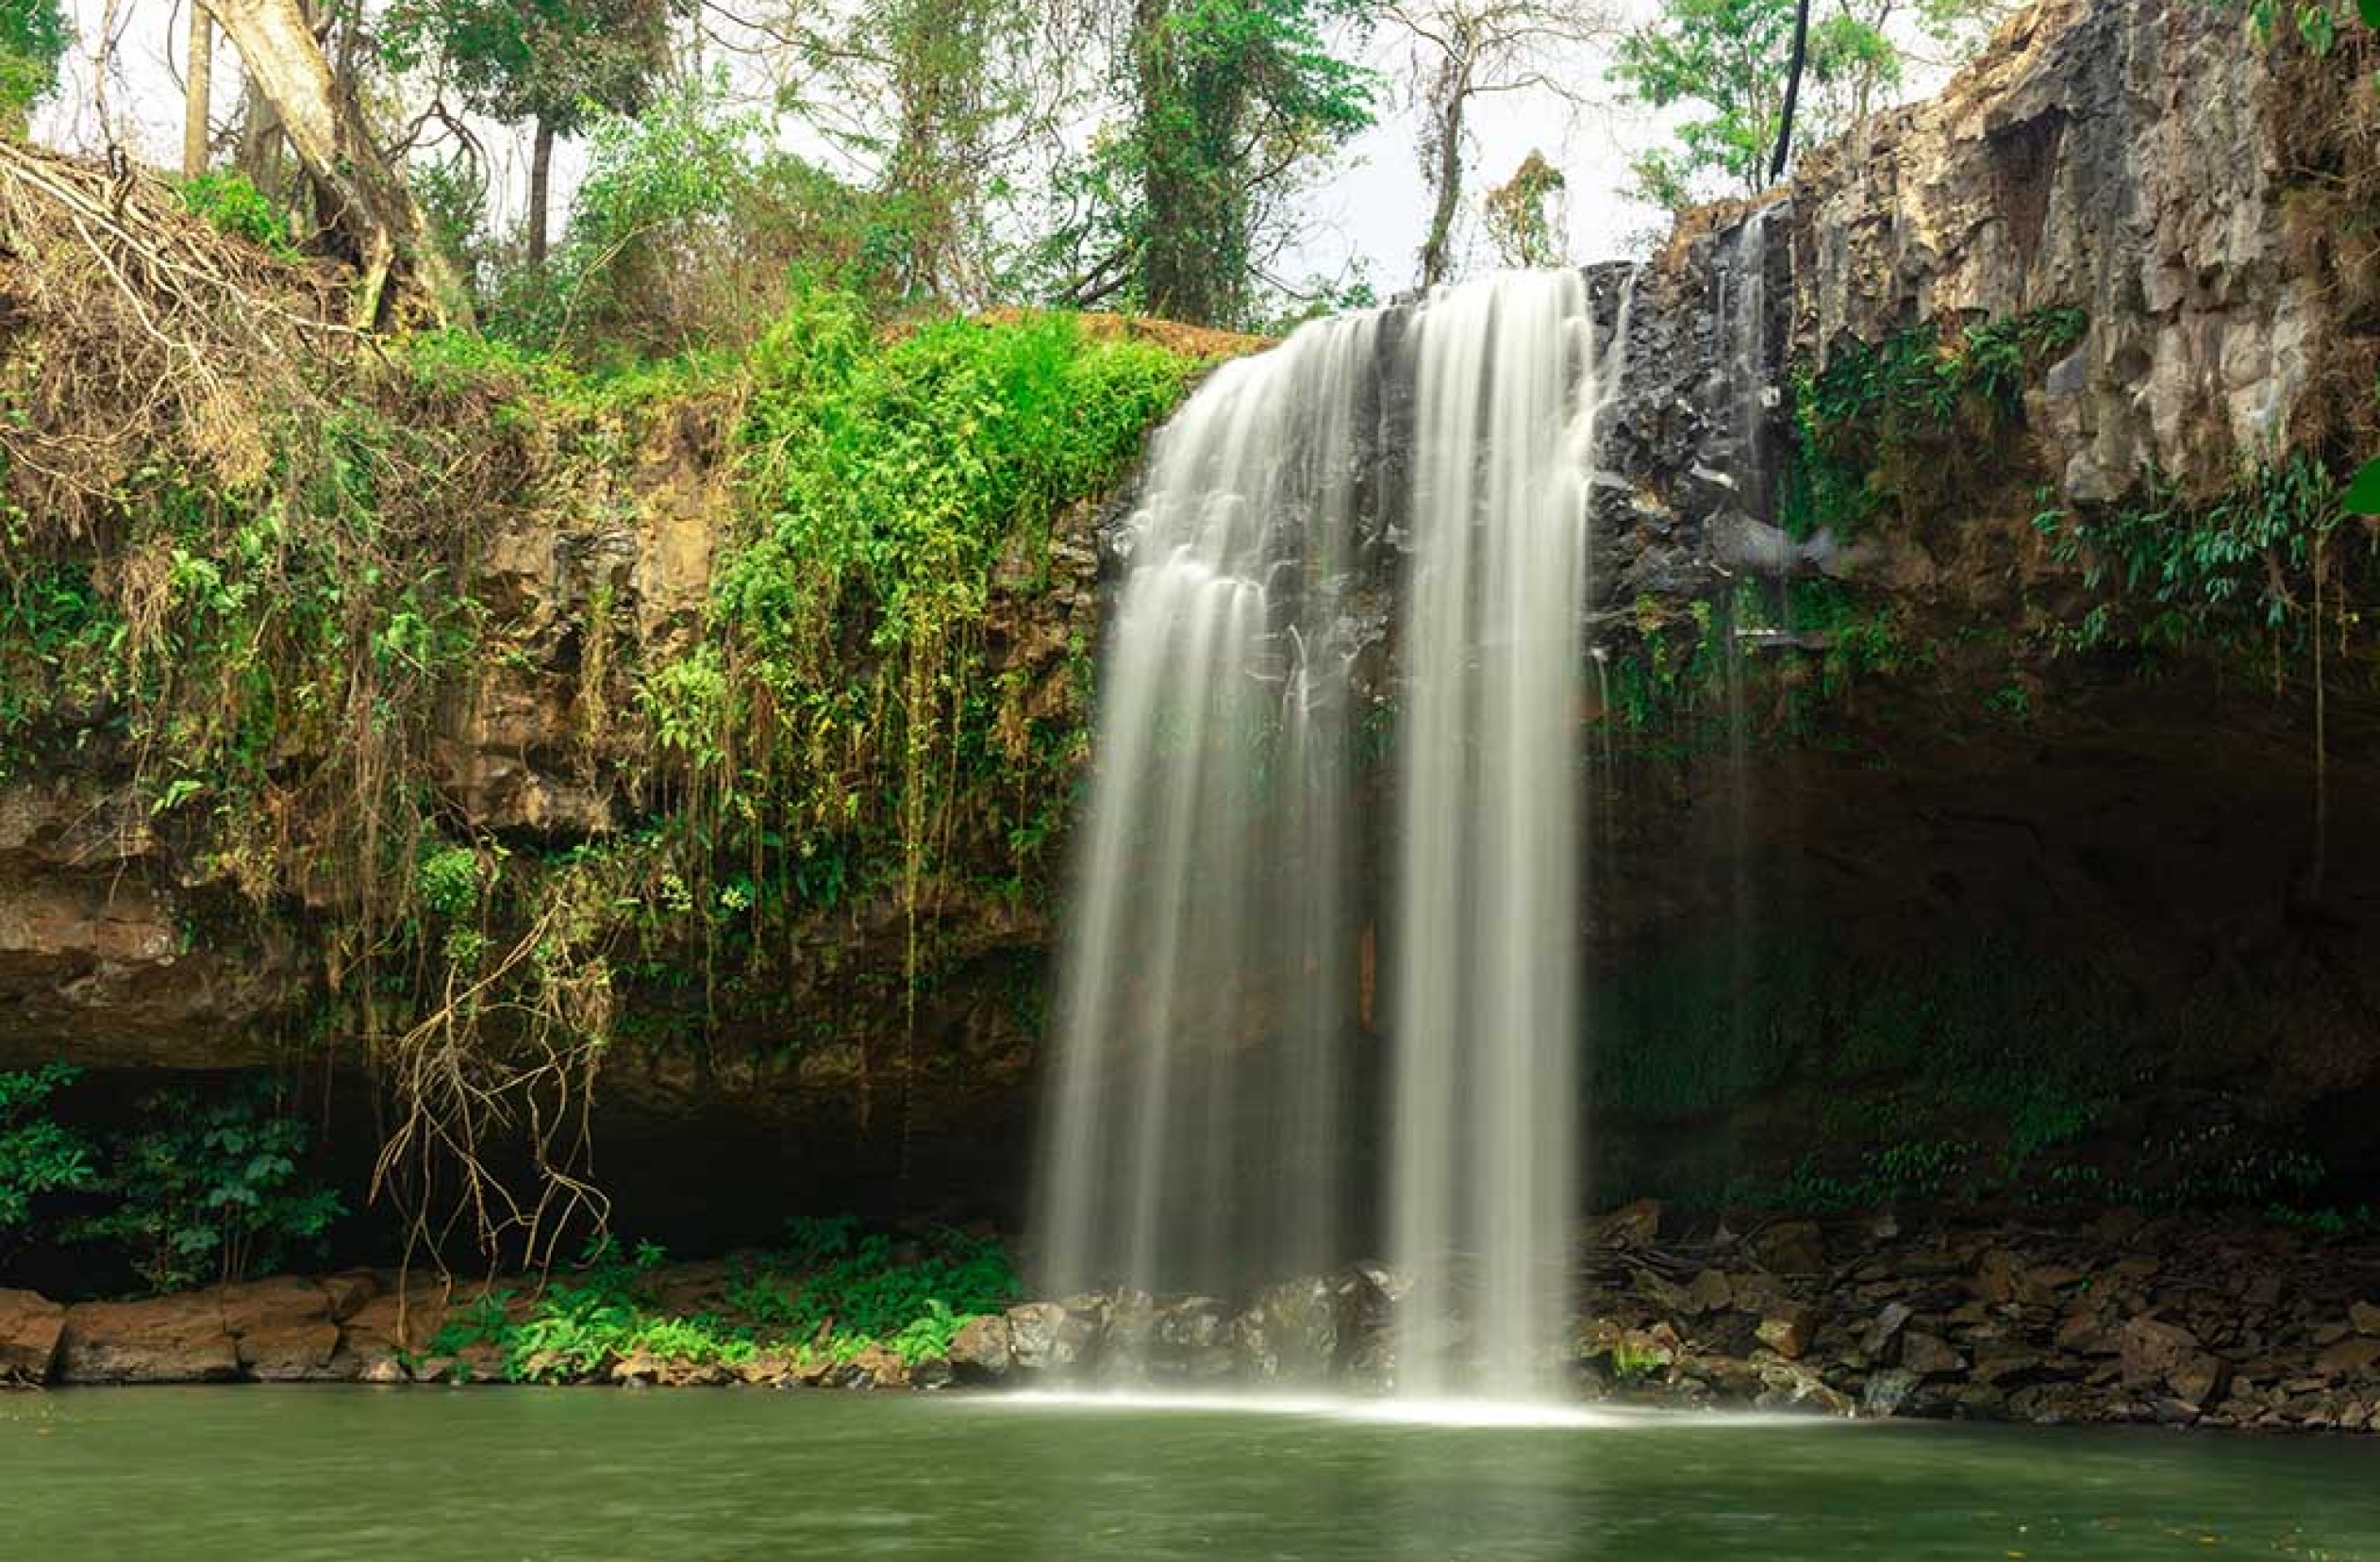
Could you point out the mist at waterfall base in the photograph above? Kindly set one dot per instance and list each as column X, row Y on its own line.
column 1285, row 1037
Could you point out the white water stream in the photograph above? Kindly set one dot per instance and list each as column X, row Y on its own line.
column 1200, row 1134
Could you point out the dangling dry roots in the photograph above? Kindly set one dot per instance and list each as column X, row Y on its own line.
column 151, row 330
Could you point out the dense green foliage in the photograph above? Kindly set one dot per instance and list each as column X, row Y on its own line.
column 843, row 710
column 1683, row 688
column 1728, row 58
column 212, row 1189
column 226, row 198
column 194, row 1188
column 828, row 1295
column 1228, row 93
column 33, row 34
column 2235, row 574
column 277, row 640
column 559, row 63
column 40, row 1155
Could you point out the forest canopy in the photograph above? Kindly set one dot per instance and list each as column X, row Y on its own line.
column 647, row 175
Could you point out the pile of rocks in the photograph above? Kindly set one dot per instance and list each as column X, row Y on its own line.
column 2125, row 1318
column 1337, row 1328
column 2173, row 1319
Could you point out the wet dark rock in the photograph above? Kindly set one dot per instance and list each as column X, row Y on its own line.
column 1193, row 1339
column 1045, row 1336
column 1632, row 1225
column 1712, row 1291
column 1790, row 1247
column 1929, row 1357
column 1878, row 1341
column 1788, row 1332
column 2352, row 1359
column 1891, row 1391
column 2158, row 1354
column 1291, row 1332
column 981, row 1351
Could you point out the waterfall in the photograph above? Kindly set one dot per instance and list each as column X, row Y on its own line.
column 1202, row 1124
column 1195, row 1113
column 1485, row 1004
column 1743, row 307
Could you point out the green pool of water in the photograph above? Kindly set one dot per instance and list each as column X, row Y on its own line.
column 355, row 1474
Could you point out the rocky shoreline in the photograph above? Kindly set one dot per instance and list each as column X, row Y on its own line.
column 2195, row 1323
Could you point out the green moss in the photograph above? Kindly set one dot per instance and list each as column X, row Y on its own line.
column 1768, row 665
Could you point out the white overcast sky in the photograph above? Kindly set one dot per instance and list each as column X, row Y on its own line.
column 1372, row 206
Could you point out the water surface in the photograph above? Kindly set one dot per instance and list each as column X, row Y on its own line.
column 263, row 1474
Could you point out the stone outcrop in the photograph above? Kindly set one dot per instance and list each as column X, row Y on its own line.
column 2123, row 160
column 2127, row 159
column 2130, row 161
column 171, row 1339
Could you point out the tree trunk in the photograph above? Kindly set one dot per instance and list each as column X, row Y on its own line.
column 541, row 183
column 1163, row 287
column 368, row 203
column 1438, row 249
column 199, row 103
column 1193, row 244
column 257, row 152
column 1792, row 92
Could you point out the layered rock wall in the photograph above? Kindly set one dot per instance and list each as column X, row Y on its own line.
column 2135, row 160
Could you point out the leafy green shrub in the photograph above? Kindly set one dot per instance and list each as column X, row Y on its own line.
column 34, row 34
column 829, row 1294
column 59, row 640
column 2232, row 575
column 39, row 1154
column 225, row 197
column 450, row 879
column 212, row 1189
column 1913, row 1171
column 858, row 1290
column 687, row 229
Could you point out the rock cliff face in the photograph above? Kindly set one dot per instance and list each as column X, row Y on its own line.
column 2144, row 164
column 2134, row 166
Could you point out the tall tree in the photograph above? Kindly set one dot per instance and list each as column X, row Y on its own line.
column 1732, row 58
column 1232, row 100
column 199, row 81
column 934, row 98
column 365, row 200
column 1462, row 50
column 549, row 64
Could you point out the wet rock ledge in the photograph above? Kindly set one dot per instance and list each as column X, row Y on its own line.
column 2120, row 1318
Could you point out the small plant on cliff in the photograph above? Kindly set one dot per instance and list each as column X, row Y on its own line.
column 1893, row 429
column 2239, row 572
column 212, row 1189
column 39, row 1154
